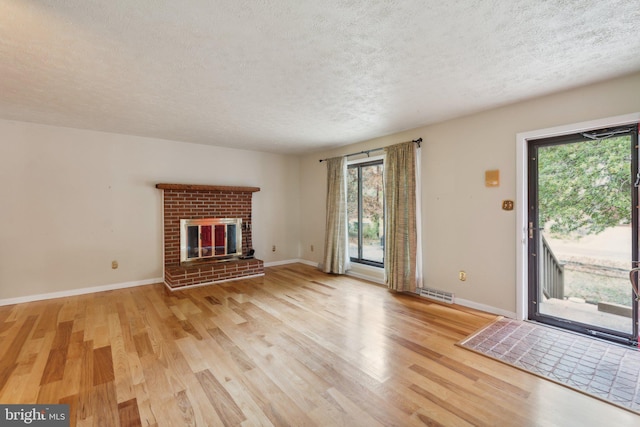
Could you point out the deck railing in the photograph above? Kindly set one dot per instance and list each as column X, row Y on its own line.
column 551, row 272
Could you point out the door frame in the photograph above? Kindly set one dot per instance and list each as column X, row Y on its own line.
column 522, row 194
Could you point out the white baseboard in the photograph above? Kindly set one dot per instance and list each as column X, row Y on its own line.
column 362, row 274
column 283, row 262
column 292, row 261
column 103, row 288
column 486, row 308
column 81, row 291
column 365, row 276
column 357, row 274
column 307, row 262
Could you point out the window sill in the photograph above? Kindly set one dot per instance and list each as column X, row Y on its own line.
column 367, row 272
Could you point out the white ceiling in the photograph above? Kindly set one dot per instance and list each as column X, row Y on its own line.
column 294, row 76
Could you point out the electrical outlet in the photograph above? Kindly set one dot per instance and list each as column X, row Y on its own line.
column 311, row 248
column 114, row 264
column 462, row 276
column 273, row 248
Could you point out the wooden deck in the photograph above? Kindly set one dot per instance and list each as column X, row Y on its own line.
column 296, row 347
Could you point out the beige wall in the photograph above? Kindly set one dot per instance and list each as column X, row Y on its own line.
column 74, row 200
column 57, row 180
column 464, row 227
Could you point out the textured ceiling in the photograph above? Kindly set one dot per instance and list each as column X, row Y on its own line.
column 301, row 75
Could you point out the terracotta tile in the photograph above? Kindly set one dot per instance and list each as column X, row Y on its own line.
column 608, row 371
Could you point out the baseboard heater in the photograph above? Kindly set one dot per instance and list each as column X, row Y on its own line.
column 436, row 295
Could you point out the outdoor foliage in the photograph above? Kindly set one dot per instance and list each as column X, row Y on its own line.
column 584, row 187
column 372, row 203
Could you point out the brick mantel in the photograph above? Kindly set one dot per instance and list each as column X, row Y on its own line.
column 189, row 201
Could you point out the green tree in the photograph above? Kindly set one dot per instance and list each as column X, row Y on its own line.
column 585, row 187
column 372, row 200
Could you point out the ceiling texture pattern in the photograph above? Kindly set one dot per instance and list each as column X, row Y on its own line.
column 296, row 76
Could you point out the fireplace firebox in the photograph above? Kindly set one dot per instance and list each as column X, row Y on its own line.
column 210, row 239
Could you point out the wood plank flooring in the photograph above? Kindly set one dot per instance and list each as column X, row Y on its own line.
column 293, row 348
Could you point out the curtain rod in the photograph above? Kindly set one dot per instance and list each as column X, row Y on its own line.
column 417, row 141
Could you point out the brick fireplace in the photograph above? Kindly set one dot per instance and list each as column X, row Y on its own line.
column 183, row 201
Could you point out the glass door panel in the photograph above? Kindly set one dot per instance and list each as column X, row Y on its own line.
column 193, row 242
column 365, row 212
column 205, row 241
column 372, row 213
column 583, row 233
column 353, row 212
column 231, row 239
column 219, row 240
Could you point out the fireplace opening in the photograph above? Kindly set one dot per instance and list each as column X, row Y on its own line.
column 210, row 239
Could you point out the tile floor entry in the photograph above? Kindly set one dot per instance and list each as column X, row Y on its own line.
column 607, row 371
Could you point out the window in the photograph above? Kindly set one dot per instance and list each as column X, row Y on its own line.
column 365, row 210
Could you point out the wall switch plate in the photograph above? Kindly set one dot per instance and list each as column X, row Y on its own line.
column 462, row 276
column 492, row 178
column 114, row 264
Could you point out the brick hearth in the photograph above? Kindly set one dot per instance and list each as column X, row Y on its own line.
column 181, row 201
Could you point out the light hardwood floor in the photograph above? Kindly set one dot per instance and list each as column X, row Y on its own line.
column 296, row 347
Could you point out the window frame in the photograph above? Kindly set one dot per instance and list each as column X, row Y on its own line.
column 359, row 163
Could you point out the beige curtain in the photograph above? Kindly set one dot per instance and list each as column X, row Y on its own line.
column 400, row 217
column 335, row 242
